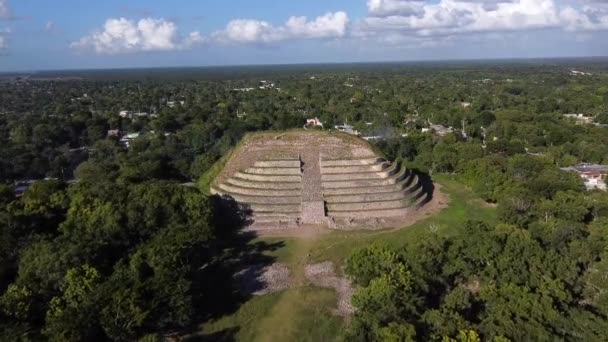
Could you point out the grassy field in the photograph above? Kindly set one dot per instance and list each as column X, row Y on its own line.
column 308, row 318
column 304, row 313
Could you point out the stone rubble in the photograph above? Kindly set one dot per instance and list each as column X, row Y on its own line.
column 324, row 275
column 260, row 279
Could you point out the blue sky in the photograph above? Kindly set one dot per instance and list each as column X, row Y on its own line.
column 70, row 34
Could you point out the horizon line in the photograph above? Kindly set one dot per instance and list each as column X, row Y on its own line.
column 413, row 61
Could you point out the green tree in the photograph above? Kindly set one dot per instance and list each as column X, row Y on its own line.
column 71, row 316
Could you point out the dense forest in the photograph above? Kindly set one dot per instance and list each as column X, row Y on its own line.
column 119, row 239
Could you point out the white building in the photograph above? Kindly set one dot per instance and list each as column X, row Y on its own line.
column 346, row 128
column 579, row 73
column 126, row 140
column 264, row 85
column 440, row 130
column 593, row 175
column 113, row 133
column 173, row 104
column 580, row 118
column 314, row 123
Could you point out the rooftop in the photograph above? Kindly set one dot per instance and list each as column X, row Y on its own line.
column 583, row 168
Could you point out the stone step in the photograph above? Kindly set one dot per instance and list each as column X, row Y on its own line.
column 272, row 220
column 268, row 179
column 360, row 175
column 278, row 225
column 410, row 179
column 404, row 185
column 269, row 215
column 224, row 187
column 363, row 190
column 275, row 219
column 422, row 198
column 275, row 208
column 265, row 185
column 367, row 182
column 379, row 166
column 384, row 202
column 350, row 162
column 278, row 163
column 275, row 171
column 383, row 196
column 413, row 187
column 371, row 213
column 366, row 206
column 246, row 199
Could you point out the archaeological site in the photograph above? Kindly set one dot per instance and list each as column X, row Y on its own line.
column 334, row 180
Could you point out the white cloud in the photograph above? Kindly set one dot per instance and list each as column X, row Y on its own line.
column 193, row 39
column 417, row 18
column 4, row 40
column 4, row 11
column 384, row 8
column 453, row 17
column 125, row 36
column 393, row 22
column 120, row 35
column 330, row 25
column 591, row 17
column 250, row 31
column 4, row 32
column 50, row 26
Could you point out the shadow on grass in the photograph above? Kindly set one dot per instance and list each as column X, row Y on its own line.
column 230, row 279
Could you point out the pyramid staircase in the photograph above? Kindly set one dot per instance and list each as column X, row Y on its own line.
column 369, row 188
column 272, row 189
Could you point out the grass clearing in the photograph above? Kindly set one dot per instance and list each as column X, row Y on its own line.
column 302, row 314
column 289, row 253
column 308, row 318
column 242, row 324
